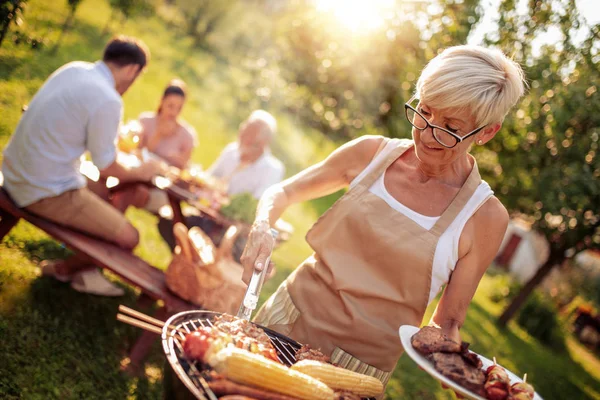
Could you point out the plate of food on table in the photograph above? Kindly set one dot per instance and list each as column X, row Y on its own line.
column 462, row 370
column 195, row 176
column 238, row 358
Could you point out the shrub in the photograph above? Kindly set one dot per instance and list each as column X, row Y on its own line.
column 504, row 287
column 539, row 318
column 242, row 207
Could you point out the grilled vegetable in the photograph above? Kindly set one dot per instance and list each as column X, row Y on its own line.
column 196, row 344
column 340, row 378
column 250, row 369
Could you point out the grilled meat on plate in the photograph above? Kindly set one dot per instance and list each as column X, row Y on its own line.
column 430, row 339
column 453, row 366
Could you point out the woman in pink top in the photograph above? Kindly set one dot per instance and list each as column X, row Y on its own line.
column 166, row 136
column 164, row 133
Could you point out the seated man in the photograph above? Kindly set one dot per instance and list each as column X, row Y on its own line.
column 247, row 166
column 77, row 109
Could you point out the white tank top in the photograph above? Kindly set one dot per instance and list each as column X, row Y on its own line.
column 446, row 252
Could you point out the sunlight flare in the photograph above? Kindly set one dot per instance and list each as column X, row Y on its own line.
column 357, row 15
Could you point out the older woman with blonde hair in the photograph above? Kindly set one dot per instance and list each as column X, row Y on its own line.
column 417, row 216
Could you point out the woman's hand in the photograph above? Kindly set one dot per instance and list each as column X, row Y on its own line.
column 151, row 168
column 258, row 248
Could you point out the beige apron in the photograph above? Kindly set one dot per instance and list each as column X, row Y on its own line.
column 370, row 274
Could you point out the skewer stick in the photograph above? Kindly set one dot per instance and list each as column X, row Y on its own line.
column 525, row 378
column 495, row 363
column 139, row 324
column 148, row 319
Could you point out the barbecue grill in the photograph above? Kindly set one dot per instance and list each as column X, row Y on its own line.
column 190, row 373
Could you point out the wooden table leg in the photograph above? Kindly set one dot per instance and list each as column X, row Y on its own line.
column 7, row 222
column 176, row 207
column 141, row 348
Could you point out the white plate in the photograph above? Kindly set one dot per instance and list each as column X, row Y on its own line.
column 407, row 332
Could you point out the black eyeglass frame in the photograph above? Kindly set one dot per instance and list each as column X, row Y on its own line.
column 458, row 139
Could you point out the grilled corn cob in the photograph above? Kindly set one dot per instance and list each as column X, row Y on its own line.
column 340, row 379
column 254, row 370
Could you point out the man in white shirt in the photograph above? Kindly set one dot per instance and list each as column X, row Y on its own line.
column 78, row 109
column 248, row 165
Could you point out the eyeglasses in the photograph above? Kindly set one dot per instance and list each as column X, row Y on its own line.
column 443, row 136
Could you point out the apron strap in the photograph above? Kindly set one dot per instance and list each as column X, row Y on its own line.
column 462, row 197
column 366, row 182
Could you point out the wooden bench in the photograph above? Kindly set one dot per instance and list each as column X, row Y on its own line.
column 133, row 270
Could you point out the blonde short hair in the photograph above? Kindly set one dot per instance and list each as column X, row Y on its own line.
column 481, row 80
column 267, row 121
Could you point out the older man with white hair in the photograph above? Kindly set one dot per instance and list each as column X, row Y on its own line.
column 248, row 165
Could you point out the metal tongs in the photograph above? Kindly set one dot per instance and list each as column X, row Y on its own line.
column 256, row 283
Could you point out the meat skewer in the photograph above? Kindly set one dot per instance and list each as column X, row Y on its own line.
column 522, row 390
column 497, row 385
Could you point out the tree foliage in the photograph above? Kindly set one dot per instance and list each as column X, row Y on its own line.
column 544, row 161
column 9, row 12
column 73, row 4
column 547, row 151
column 202, row 17
column 131, row 8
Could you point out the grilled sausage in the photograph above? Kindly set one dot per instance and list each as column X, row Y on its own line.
column 237, row 397
column 225, row 387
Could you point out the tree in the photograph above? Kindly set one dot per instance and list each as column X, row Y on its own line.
column 345, row 82
column 548, row 164
column 9, row 12
column 128, row 9
column 73, row 5
column 202, row 18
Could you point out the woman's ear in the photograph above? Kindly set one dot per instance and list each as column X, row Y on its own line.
column 488, row 133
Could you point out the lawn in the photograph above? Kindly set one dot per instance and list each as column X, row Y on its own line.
column 58, row 344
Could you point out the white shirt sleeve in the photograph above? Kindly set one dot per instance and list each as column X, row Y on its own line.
column 271, row 177
column 218, row 167
column 102, row 130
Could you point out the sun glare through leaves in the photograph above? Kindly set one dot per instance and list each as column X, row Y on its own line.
column 358, row 16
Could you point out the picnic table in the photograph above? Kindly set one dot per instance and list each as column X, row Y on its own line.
column 180, row 192
column 177, row 191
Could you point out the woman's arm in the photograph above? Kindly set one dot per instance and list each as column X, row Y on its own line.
column 179, row 156
column 323, row 178
column 145, row 119
column 479, row 244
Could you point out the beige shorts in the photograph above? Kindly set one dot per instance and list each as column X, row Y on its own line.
column 83, row 210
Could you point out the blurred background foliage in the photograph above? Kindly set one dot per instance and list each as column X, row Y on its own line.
column 348, row 72
column 347, row 82
column 330, row 75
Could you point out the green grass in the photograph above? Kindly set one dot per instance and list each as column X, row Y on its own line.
column 58, row 344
